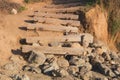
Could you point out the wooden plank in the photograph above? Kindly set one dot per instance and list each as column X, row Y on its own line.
column 45, row 27
column 61, row 10
column 59, row 16
column 68, row 38
column 58, row 21
column 53, row 50
column 64, row 1
column 64, row 5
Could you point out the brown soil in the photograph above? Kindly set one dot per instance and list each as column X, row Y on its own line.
column 10, row 33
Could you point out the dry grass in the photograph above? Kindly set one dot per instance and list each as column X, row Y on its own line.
column 6, row 6
column 112, row 41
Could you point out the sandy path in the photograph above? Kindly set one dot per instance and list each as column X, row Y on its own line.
column 10, row 33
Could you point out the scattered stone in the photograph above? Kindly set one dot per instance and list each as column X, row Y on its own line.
column 37, row 58
column 4, row 77
column 106, row 56
column 62, row 62
column 60, row 73
column 14, row 11
column 73, row 70
column 64, row 78
column 48, row 68
column 11, row 66
column 93, row 76
column 32, row 69
column 20, row 77
column 87, row 39
column 77, row 61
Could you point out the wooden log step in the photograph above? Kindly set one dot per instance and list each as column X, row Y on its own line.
column 47, row 27
column 68, row 38
column 58, row 21
column 65, row 1
column 64, row 5
column 61, row 10
column 60, row 16
column 53, row 50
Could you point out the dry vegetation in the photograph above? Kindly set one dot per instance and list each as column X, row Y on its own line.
column 6, row 6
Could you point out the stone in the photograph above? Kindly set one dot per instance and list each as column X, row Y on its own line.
column 105, row 70
column 86, row 68
column 32, row 69
column 48, row 68
column 62, row 62
column 77, row 61
column 37, row 58
column 14, row 11
column 114, row 56
column 93, row 76
column 11, row 66
column 20, row 77
column 4, row 77
column 64, row 78
column 86, row 40
column 73, row 70
column 60, row 73
column 106, row 56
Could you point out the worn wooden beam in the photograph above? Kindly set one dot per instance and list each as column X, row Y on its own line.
column 59, row 16
column 61, row 10
column 68, row 38
column 47, row 27
column 64, row 1
column 58, row 21
column 53, row 50
column 64, row 5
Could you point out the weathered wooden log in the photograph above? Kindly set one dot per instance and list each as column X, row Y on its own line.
column 64, row 5
column 65, row 1
column 58, row 21
column 53, row 50
column 43, row 27
column 59, row 16
column 61, row 10
column 68, row 38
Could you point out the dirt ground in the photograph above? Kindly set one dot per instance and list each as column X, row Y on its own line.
column 10, row 33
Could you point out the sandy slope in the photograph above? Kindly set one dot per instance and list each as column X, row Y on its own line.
column 10, row 33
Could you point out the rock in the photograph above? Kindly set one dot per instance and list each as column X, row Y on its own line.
column 48, row 68
column 4, row 77
column 106, row 56
column 64, row 78
column 16, row 59
column 11, row 66
column 114, row 56
column 32, row 69
column 86, row 40
column 60, row 73
column 97, row 21
column 73, row 70
column 62, row 62
column 14, row 11
column 77, row 61
column 37, row 58
column 93, row 76
column 86, row 68
column 102, row 68
column 20, row 77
